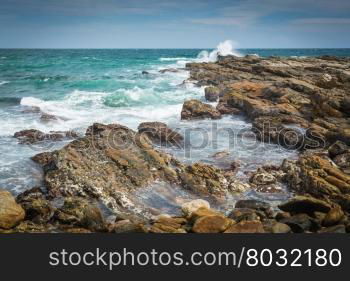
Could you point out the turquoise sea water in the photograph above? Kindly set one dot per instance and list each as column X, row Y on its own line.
column 86, row 86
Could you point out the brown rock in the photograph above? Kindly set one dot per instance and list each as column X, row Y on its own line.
column 333, row 217
column 212, row 93
column 211, row 224
column 11, row 213
column 305, row 204
column 160, row 134
column 246, row 227
column 195, row 109
column 81, row 212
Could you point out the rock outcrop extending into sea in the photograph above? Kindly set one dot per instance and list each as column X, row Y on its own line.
column 91, row 184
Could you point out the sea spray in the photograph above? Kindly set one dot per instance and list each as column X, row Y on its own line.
column 225, row 48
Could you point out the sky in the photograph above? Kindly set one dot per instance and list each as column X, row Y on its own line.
column 174, row 23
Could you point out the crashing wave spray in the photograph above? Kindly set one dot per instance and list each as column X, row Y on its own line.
column 223, row 49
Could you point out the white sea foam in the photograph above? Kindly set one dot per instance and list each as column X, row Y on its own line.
column 3, row 82
column 225, row 48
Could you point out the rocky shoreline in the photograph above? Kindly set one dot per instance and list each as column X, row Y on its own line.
column 297, row 103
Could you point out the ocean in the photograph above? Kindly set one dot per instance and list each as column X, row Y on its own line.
column 83, row 86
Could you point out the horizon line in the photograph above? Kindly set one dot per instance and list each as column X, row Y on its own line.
column 133, row 48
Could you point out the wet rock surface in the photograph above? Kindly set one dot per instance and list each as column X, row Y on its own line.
column 161, row 134
column 195, row 109
column 32, row 136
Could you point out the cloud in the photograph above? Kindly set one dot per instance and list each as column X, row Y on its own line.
column 321, row 21
column 238, row 21
column 250, row 12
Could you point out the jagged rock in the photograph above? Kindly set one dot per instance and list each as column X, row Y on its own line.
column 160, row 134
column 43, row 158
column 342, row 160
column 81, row 212
column 112, row 161
column 337, row 148
column 34, row 136
column 37, row 208
column 212, row 93
column 246, row 227
column 205, row 179
column 195, row 109
column 11, row 213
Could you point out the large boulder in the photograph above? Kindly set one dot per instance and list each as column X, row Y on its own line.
column 195, row 109
column 11, row 213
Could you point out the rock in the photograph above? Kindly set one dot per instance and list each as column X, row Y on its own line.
column 221, row 154
column 44, row 158
column 333, row 217
column 212, row 93
column 300, row 223
column 37, row 208
column 31, row 227
column 241, row 214
column 224, row 108
column 167, row 224
column 34, row 136
column 262, row 178
column 211, row 224
column 282, row 215
column 280, row 228
column 11, row 213
column 342, row 160
column 337, row 148
column 203, row 212
column 81, row 212
column 317, row 176
column 189, row 207
column 160, row 134
column 45, row 117
column 112, row 161
column 305, row 204
column 208, row 181
column 173, row 70
column 195, row 109
column 126, row 226
column 333, row 229
column 326, row 81
column 246, row 227
column 253, row 204
column 144, row 72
